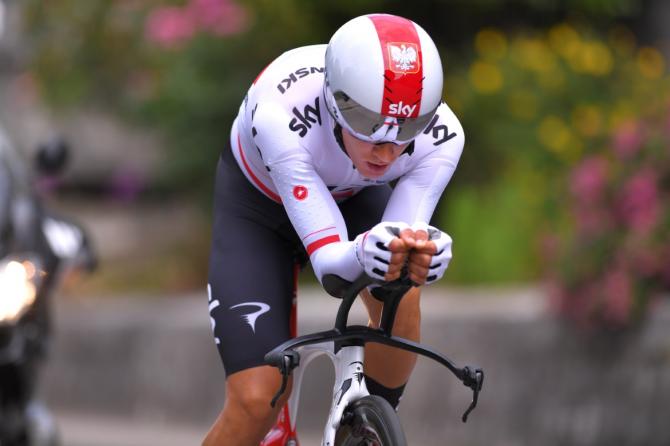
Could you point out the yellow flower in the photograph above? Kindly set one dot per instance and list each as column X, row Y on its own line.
column 534, row 54
column 553, row 133
column 591, row 57
column 587, row 119
column 564, row 40
column 650, row 62
column 491, row 44
column 596, row 58
column 557, row 137
column 485, row 77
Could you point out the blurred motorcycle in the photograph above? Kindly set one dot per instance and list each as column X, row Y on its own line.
column 37, row 247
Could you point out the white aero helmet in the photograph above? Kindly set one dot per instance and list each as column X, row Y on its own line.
column 383, row 78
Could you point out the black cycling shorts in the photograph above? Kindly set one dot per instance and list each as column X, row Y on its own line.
column 251, row 266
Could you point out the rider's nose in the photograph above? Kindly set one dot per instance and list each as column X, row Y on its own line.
column 384, row 152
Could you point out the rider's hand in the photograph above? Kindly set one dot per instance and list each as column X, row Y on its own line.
column 431, row 254
column 420, row 257
column 383, row 250
column 400, row 249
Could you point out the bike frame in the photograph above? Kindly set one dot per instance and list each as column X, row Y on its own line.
column 349, row 383
column 344, row 345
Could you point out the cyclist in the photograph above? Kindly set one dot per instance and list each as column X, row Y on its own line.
column 321, row 133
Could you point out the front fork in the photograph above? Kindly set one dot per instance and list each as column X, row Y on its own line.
column 349, row 386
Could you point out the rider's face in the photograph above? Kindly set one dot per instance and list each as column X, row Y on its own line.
column 371, row 160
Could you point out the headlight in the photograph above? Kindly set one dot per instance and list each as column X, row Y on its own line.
column 17, row 288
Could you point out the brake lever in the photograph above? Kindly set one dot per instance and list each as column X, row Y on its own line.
column 289, row 361
column 474, row 379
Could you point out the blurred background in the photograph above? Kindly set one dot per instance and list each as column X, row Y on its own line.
column 559, row 209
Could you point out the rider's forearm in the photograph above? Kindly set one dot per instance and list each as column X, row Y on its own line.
column 338, row 259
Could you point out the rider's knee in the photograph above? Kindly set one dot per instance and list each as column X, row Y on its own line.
column 255, row 401
column 256, row 407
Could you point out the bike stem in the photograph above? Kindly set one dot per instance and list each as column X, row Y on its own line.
column 392, row 294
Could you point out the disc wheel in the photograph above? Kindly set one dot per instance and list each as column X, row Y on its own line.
column 370, row 421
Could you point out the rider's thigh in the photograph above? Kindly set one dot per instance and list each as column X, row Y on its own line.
column 252, row 390
column 251, row 273
column 251, row 289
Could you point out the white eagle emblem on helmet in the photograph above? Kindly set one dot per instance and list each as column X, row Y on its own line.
column 404, row 57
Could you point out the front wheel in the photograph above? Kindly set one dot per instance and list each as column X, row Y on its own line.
column 370, row 421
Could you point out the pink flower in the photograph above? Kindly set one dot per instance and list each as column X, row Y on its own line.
column 220, row 17
column 169, row 27
column 628, row 140
column 639, row 204
column 588, row 179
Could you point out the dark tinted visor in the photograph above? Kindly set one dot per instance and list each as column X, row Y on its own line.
column 370, row 124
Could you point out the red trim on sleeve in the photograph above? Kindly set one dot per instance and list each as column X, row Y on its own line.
column 259, row 75
column 316, row 232
column 403, row 75
column 255, row 179
column 321, row 243
column 365, row 237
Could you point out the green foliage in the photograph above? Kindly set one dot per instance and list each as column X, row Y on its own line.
column 534, row 103
column 85, row 50
column 490, row 232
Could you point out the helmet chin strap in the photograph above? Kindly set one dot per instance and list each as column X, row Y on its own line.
column 337, row 132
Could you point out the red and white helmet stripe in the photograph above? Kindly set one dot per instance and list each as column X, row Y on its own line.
column 403, row 73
